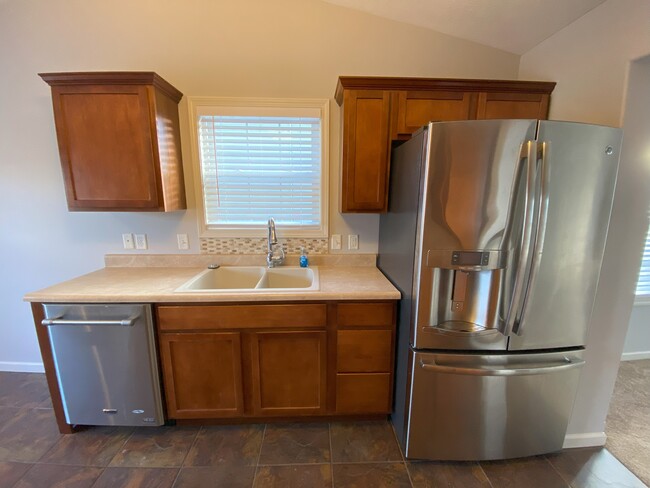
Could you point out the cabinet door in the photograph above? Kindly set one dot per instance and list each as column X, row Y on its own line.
column 107, row 149
column 366, row 151
column 202, row 374
column 495, row 105
column 417, row 108
column 288, row 372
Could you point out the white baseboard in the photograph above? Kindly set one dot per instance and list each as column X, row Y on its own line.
column 21, row 367
column 631, row 356
column 592, row 439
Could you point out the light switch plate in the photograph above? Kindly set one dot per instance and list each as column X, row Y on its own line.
column 353, row 241
column 336, row 241
column 127, row 241
column 141, row 241
column 183, row 242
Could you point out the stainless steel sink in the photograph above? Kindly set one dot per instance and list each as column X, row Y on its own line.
column 252, row 279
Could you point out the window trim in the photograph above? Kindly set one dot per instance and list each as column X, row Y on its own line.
column 322, row 104
column 643, row 299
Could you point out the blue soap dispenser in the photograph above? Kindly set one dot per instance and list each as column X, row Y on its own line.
column 304, row 260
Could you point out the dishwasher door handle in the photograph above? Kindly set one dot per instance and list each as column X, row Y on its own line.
column 129, row 322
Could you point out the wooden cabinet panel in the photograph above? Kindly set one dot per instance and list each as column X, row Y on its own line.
column 119, row 140
column 365, row 163
column 512, row 106
column 214, row 317
column 202, row 374
column 416, row 109
column 363, row 393
column 289, row 372
column 107, row 145
column 379, row 314
column 361, row 351
column 379, row 110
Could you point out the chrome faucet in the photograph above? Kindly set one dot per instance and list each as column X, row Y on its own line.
column 271, row 260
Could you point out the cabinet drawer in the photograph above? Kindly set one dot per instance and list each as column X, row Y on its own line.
column 210, row 317
column 363, row 393
column 378, row 314
column 364, row 351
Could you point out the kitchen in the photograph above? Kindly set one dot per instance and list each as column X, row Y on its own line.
column 234, row 60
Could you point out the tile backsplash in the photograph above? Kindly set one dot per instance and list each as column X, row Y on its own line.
column 258, row 245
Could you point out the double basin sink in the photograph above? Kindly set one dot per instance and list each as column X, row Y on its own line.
column 252, row 279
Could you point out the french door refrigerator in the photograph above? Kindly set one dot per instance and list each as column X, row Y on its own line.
column 494, row 235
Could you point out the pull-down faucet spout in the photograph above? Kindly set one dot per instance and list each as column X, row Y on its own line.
column 271, row 260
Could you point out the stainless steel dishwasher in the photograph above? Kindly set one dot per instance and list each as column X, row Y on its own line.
column 106, row 363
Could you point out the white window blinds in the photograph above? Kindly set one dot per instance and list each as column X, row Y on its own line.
column 256, row 167
column 643, row 285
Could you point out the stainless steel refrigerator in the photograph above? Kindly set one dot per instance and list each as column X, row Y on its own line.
column 495, row 235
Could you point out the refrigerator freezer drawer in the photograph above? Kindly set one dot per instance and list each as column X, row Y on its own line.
column 105, row 361
column 480, row 407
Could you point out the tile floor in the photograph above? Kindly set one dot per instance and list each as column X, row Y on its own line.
column 357, row 454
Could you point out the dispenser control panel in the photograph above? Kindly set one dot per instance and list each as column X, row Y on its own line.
column 470, row 258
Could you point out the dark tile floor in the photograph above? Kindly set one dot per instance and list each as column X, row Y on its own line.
column 355, row 455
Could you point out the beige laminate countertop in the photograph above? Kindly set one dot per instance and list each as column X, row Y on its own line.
column 157, row 284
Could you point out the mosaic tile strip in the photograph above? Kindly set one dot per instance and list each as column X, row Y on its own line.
column 257, row 245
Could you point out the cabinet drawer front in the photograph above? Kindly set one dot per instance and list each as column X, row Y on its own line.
column 364, row 351
column 363, row 393
column 378, row 314
column 210, row 317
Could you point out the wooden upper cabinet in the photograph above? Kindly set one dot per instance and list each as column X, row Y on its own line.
column 119, row 140
column 377, row 111
column 366, row 150
column 512, row 105
column 414, row 109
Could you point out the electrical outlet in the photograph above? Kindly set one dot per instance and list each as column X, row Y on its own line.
column 353, row 241
column 336, row 241
column 127, row 241
column 183, row 242
column 141, row 241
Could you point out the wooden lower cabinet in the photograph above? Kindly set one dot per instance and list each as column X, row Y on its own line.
column 202, row 374
column 336, row 360
column 363, row 393
column 289, row 372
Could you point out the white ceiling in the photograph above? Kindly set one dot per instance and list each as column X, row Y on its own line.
column 515, row 26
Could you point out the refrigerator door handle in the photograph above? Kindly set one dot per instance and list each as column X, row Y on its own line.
column 568, row 363
column 526, row 239
column 538, row 243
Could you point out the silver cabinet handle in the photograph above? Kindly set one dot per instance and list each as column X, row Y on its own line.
column 59, row 321
column 569, row 363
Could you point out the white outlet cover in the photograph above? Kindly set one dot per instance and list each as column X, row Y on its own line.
column 353, row 241
column 336, row 241
column 183, row 242
column 141, row 241
column 127, row 241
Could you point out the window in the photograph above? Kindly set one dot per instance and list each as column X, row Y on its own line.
column 643, row 285
column 261, row 158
